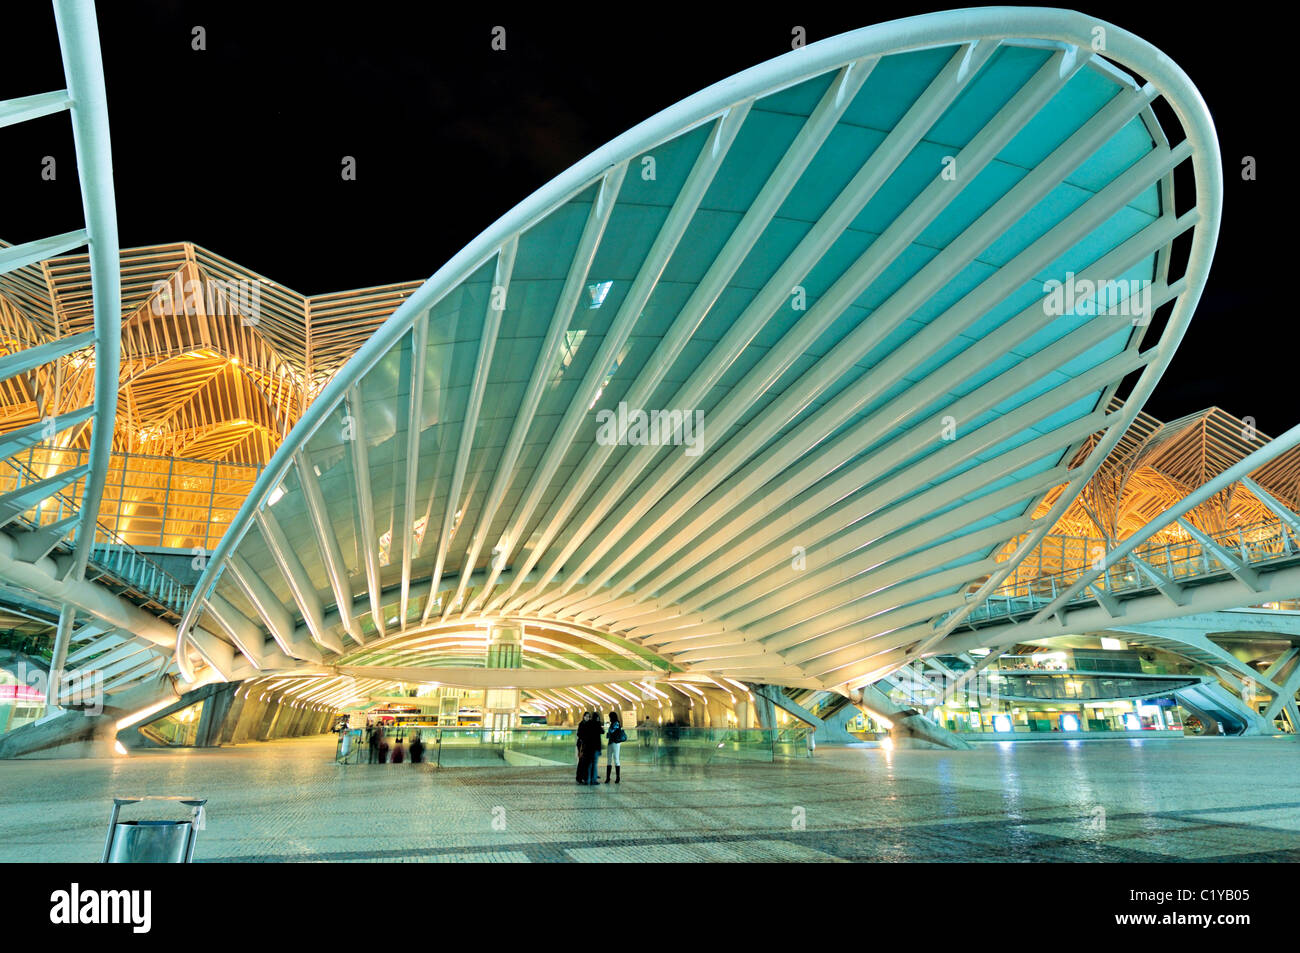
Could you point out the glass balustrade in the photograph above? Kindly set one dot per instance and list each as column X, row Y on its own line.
column 666, row 746
column 1035, row 584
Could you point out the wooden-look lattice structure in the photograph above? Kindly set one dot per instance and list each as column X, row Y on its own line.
column 1151, row 468
column 218, row 362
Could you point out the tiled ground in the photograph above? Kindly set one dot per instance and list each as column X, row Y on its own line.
column 1203, row 799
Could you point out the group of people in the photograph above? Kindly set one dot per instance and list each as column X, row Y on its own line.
column 593, row 737
column 381, row 752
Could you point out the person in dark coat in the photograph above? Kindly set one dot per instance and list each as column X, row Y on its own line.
column 580, row 740
column 595, row 734
column 670, row 737
column 417, row 748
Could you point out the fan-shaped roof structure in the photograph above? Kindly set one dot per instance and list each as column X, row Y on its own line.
column 763, row 385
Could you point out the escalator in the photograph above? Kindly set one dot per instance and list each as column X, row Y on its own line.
column 1218, row 710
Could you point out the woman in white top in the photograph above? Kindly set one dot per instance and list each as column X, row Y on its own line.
column 614, row 739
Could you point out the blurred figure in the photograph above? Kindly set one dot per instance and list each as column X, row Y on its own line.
column 382, row 746
column 417, row 748
column 597, row 733
column 372, row 742
column 670, row 743
column 399, row 754
column 582, row 735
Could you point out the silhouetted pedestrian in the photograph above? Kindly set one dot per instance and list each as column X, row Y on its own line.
column 597, row 733
column 580, row 738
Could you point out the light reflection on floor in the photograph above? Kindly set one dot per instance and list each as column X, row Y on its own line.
column 1198, row 799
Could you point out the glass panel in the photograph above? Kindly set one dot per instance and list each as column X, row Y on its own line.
column 178, row 730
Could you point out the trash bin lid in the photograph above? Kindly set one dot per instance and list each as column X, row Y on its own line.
column 153, row 823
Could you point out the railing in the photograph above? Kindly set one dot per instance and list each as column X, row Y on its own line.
column 1186, row 558
column 1051, row 722
column 150, row 501
column 545, row 746
column 109, row 554
column 1105, row 663
column 1071, row 686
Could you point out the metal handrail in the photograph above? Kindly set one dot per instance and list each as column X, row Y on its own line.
column 778, row 742
column 1179, row 559
column 174, row 479
column 162, row 585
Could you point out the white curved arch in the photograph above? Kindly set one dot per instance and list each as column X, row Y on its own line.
column 979, row 32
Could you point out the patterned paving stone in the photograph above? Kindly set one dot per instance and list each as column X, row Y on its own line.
column 287, row 801
column 705, row 852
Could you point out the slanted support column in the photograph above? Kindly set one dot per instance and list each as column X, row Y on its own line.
column 764, row 710
column 59, row 657
column 717, row 709
column 76, row 734
column 910, row 726
column 833, row 730
column 1210, row 700
column 829, row 731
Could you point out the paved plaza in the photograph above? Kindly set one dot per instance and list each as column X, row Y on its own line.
column 1203, row 800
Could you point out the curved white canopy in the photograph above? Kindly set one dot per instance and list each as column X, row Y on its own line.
column 887, row 285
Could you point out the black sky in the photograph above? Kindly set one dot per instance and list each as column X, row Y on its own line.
column 238, row 147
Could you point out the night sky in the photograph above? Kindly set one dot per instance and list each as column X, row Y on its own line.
column 238, row 147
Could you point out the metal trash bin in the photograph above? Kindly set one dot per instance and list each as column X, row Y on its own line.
column 153, row 841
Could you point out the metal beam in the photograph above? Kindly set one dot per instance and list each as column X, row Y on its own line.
column 83, row 69
column 679, row 218
column 29, row 253
column 547, row 360
column 327, row 542
column 24, row 108
column 300, row 585
column 414, row 430
column 274, row 615
column 367, row 541
column 29, row 436
column 1238, row 471
column 734, row 514
column 16, row 502
column 881, row 253
column 883, row 161
column 498, row 296
column 19, row 362
column 1233, row 564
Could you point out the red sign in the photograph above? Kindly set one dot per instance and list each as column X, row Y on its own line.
column 21, row 693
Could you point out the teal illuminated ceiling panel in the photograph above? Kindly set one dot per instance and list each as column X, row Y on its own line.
column 761, row 386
